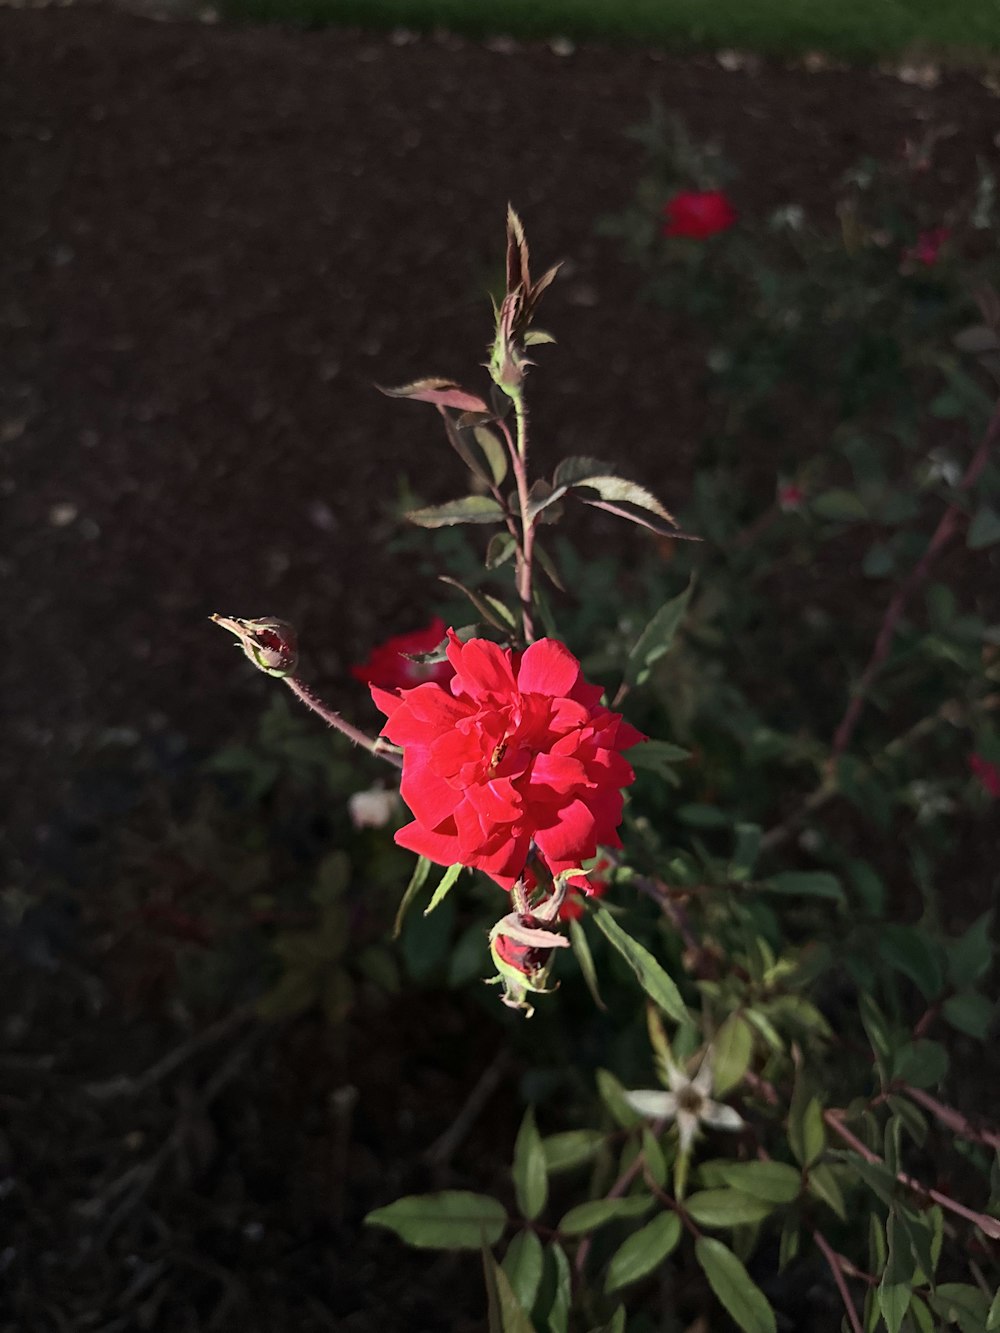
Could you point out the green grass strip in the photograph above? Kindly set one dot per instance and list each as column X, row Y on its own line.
column 850, row 29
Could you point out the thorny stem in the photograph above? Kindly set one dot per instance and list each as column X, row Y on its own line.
column 373, row 744
column 989, row 1225
column 943, row 533
column 952, row 1119
column 833, row 1259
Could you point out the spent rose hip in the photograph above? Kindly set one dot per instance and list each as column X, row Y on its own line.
column 516, row 754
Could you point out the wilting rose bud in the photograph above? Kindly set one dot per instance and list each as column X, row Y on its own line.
column 271, row 645
column 522, row 948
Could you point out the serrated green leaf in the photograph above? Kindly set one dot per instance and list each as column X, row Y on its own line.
column 805, row 884
column 468, row 509
column 508, row 1314
column 441, row 392
column 574, row 1148
column 727, row 1208
column 598, row 1212
column 643, row 1251
column 490, row 608
column 656, row 757
column 561, row 1285
column 449, row 1220
column 774, row 1182
column 523, row 1265
column 657, row 984
column 993, row 1318
column 970, row 1013
column 500, row 549
column 657, row 638
column 961, row 1303
column 731, row 1052
column 448, row 881
column 806, row 1131
column 730, row 1281
column 493, row 451
column 531, row 1182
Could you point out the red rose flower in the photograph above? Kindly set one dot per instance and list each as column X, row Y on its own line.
column 390, row 668
column 928, row 247
column 516, row 752
column 987, row 773
column 582, row 887
column 698, row 214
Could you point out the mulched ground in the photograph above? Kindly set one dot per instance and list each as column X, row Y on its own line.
column 214, row 241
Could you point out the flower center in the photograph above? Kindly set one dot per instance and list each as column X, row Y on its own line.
column 690, row 1099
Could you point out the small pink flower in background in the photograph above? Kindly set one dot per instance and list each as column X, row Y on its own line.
column 987, row 773
column 698, row 214
column 585, row 886
column 390, row 668
column 373, row 808
column 516, row 753
column 790, row 497
column 928, row 247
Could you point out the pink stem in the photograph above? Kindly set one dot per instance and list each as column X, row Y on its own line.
column 989, row 1225
column 838, row 1277
column 952, row 1119
column 943, row 533
column 518, row 451
column 373, row 744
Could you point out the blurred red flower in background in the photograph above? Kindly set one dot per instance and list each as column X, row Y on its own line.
column 698, row 214
column 928, row 246
column 987, row 773
column 390, row 668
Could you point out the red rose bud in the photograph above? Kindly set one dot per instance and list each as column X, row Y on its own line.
column 522, row 947
column 271, row 645
column 698, row 214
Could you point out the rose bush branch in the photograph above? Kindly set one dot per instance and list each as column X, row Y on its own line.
column 947, row 527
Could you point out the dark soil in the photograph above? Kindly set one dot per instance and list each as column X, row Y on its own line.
column 214, row 242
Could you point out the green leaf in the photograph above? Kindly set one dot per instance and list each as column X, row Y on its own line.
column 507, row 1313
column 907, row 949
column 598, row 1212
column 923, row 1063
column 806, row 1131
column 448, row 882
column 531, row 1182
column 502, row 546
column 657, row 984
column 492, row 610
column 574, row 1148
column 806, row 884
column 657, row 638
column 561, row 1284
column 971, row 955
column 970, row 1013
column 730, row 1281
column 993, row 1318
column 612, row 1094
column 841, row 506
column 745, row 852
column 961, row 1303
column 984, row 529
column 824, row 1185
column 449, row 1220
column 417, row 880
column 652, row 1154
column 493, row 451
column 469, row 509
column 731, row 1050
column 896, row 1285
column 523, row 1265
column 585, row 958
column 643, row 1251
column 774, row 1182
column 657, row 757
column 703, row 816
column 727, row 1208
